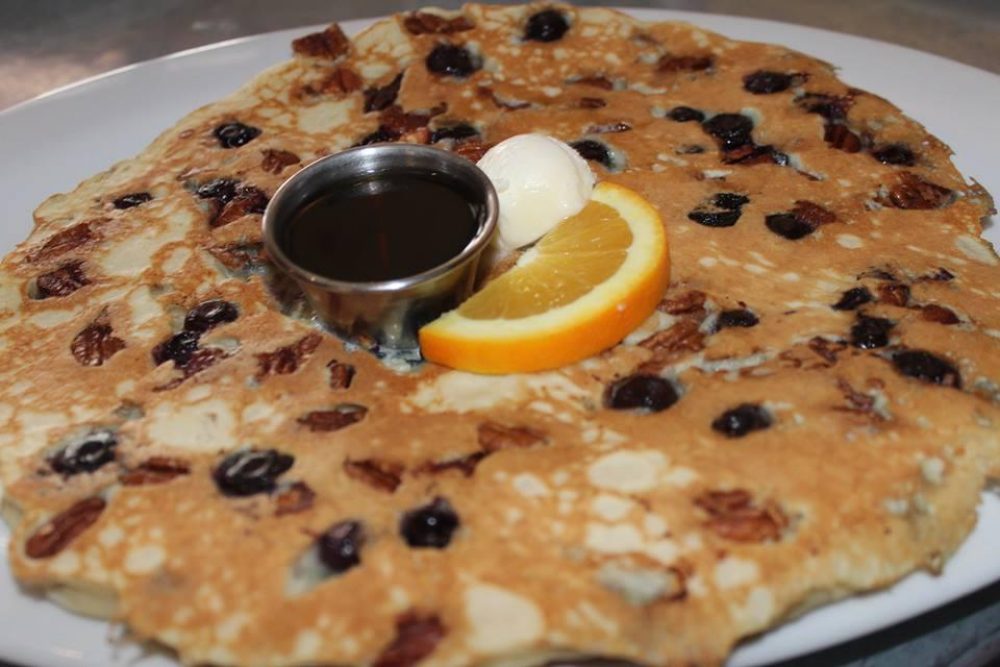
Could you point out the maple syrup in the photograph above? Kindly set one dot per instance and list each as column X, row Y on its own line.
column 383, row 227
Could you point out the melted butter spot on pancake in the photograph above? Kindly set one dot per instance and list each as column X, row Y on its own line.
column 134, row 255
column 976, row 249
column 144, row 559
column 10, row 293
column 628, row 471
column 307, row 644
column 50, row 318
column 732, row 572
column 203, row 427
column 500, row 620
column 614, row 539
column 611, row 508
column 461, row 392
column 145, row 308
column 229, row 629
column 323, row 117
column 757, row 610
column 385, row 38
column 65, row 563
column 175, row 260
column 110, row 536
column 530, row 485
column 850, row 241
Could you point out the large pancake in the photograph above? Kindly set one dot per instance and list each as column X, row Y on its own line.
column 847, row 311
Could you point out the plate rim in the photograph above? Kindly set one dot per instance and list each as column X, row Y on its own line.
column 352, row 25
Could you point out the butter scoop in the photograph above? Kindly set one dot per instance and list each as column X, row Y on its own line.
column 539, row 181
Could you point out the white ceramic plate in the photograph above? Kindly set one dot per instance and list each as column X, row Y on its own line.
column 51, row 143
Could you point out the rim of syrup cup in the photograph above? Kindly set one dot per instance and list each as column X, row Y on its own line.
column 383, row 159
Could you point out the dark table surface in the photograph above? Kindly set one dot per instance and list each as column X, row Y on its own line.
column 49, row 43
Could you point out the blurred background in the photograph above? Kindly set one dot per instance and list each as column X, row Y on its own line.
column 49, row 43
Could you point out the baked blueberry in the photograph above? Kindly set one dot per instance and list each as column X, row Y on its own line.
column 132, row 200
column 210, row 314
column 593, row 151
column 869, row 333
column 339, row 547
column 744, row 418
column 732, row 130
column 251, row 471
column 234, row 135
column 895, row 154
column 685, row 114
column 430, row 526
column 178, row 348
column 451, row 60
column 852, row 298
column 85, row 454
column 763, row 82
column 548, row 25
column 640, row 391
column 927, row 367
column 737, row 317
column 789, row 226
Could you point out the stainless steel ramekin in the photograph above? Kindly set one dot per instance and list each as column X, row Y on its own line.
column 388, row 312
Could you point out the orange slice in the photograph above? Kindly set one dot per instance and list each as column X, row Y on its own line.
column 582, row 288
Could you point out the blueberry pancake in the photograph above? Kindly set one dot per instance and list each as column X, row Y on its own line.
column 811, row 412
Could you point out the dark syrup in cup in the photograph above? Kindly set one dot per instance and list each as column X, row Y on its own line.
column 378, row 228
column 382, row 239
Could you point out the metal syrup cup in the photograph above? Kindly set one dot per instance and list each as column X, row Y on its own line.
column 388, row 312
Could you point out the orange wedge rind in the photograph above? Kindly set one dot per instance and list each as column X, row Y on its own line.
column 581, row 289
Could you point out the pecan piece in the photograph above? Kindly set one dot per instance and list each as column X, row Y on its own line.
column 377, row 99
column 598, row 81
column 381, row 475
column 670, row 343
column 155, row 470
column 857, row 401
column 62, row 242
column 63, row 528
column 296, row 498
column 63, row 281
column 493, row 437
column 426, row 23
column 827, row 349
column 734, row 516
column 499, row 101
column 465, row 464
column 941, row 275
column 894, row 294
column 341, row 81
column 238, row 256
column 248, row 201
column 472, row 150
column 287, row 359
column 670, row 63
column 341, row 374
column 840, row 136
column 935, row 313
column 812, row 214
column 198, row 360
column 911, row 192
column 276, row 160
column 340, row 417
column 417, row 635
column 688, row 302
column 400, row 122
column 96, row 343
column 331, row 43
column 591, row 103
